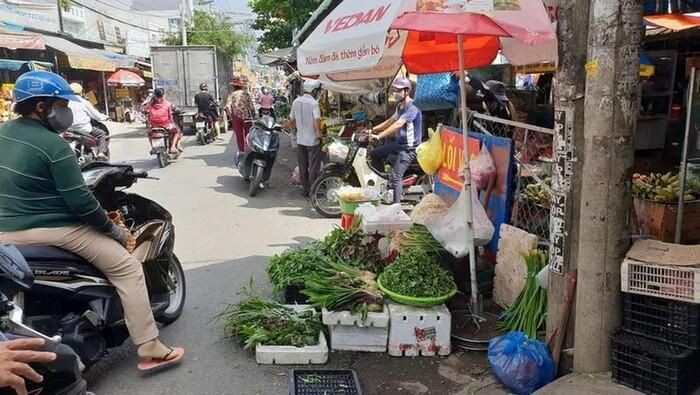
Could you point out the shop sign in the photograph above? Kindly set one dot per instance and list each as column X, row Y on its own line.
column 360, row 18
column 24, row 41
column 158, row 83
column 33, row 13
column 121, row 93
column 147, row 74
column 83, row 63
column 539, row 68
column 562, row 172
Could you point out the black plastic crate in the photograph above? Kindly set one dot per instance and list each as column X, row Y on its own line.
column 293, row 295
column 660, row 319
column 654, row 367
column 323, row 382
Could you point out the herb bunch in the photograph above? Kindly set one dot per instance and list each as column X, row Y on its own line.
column 416, row 273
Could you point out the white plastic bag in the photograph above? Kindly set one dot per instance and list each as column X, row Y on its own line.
column 482, row 168
column 449, row 229
column 338, row 152
column 296, row 176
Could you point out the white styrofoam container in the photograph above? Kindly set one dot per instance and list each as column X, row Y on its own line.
column 350, row 333
column 290, row 355
column 417, row 331
column 386, row 227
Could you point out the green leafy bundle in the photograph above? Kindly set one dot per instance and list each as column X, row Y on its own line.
column 416, row 273
column 528, row 312
column 291, row 267
column 337, row 286
column 419, row 237
column 354, row 248
column 257, row 320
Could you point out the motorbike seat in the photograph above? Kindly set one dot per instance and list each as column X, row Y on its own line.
column 48, row 254
column 410, row 180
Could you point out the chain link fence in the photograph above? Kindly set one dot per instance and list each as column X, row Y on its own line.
column 533, row 152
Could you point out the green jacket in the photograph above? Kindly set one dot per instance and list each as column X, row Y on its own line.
column 41, row 185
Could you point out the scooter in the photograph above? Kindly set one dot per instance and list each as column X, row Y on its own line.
column 61, row 376
column 71, row 298
column 85, row 146
column 262, row 145
column 205, row 130
column 161, row 141
column 356, row 170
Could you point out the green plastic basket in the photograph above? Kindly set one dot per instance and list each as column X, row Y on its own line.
column 349, row 207
column 414, row 301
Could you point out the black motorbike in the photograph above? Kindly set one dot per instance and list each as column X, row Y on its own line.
column 73, row 299
column 206, row 134
column 262, row 145
column 161, row 141
column 85, row 145
column 61, row 376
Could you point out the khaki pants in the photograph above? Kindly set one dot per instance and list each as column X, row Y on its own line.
column 121, row 268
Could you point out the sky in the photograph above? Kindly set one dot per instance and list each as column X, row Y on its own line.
column 232, row 6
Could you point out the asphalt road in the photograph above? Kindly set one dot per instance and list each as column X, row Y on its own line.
column 224, row 239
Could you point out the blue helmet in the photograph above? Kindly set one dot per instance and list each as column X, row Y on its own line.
column 42, row 84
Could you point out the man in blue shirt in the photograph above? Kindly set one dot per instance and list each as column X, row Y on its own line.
column 402, row 134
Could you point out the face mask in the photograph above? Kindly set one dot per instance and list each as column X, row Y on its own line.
column 399, row 97
column 59, row 119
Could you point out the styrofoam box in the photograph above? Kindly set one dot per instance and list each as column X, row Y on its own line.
column 417, row 331
column 290, row 355
column 349, row 333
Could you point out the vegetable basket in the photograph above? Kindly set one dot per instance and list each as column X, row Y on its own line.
column 415, row 301
column 349, row 207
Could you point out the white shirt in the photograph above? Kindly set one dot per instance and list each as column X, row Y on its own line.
column 305, row 112
column 83, row 112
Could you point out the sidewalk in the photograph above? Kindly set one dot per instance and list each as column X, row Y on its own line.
column 588, row 384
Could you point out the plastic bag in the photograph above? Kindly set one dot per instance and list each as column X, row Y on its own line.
column 523, row 365
column 338, row 152
column 449, row 229
column 296, row 176
column 430, row 153
column 482, row 168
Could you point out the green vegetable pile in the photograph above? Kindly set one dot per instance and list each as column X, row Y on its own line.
column 292, row 266
column 257, row 320
column 528, row 312
column 354, row 248
column 415, row 273
column 337, row 286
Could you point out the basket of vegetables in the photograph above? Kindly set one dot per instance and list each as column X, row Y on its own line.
column 417, row 279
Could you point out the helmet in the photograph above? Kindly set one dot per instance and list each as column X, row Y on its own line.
column 311, row 85
column 42, row 84
column 77, row 88
column 203, row 86
column 402, row 83
column 498, row 89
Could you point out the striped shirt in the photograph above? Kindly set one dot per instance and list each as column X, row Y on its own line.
column 41, row 185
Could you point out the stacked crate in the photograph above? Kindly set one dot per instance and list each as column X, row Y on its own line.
column 656, row 352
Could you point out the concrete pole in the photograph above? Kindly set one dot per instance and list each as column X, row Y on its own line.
column 568, row 92
column 611, row 107
column 183, row 21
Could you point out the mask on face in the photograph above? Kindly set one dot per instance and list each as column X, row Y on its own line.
column 59, row 119
column 399, row 97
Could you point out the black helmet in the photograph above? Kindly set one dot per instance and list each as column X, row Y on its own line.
column 203, row 86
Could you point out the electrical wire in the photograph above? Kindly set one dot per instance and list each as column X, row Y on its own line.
column 113, row 18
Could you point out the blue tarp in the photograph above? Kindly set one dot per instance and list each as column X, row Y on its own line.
column 17, row 65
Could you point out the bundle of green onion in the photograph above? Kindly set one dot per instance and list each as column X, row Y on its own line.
column 528, row 312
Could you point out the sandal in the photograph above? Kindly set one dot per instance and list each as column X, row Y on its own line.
column 152, row 365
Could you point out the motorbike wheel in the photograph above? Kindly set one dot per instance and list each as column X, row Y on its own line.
column 200, row 137
column 163, row 159
column 326, row 206
column 255, row 180
column 176, row 304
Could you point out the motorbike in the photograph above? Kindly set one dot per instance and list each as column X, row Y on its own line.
column 85, row 145
column 161, row 141
column 72, row 298
column 61, row 376
column 205, row 129
column 262, row 144
column 355, row 169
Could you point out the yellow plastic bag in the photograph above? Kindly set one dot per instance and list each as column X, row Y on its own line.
column 430, row 153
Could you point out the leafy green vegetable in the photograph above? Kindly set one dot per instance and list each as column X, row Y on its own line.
column 528, row 312
column 291, row 267
column 337, row 286
column 416, row 273
column 354, row 247
column 419, row 237
column 257, row 320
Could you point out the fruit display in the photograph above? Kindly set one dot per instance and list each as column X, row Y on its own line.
column 662, row 188
column 539, row 193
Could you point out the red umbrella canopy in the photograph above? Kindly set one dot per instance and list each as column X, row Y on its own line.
column 125, row 78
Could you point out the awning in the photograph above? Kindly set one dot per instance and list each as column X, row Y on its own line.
column 80, row 57
column 16, row 65
column 280, row 56
column 21, row 40
column 674, row 22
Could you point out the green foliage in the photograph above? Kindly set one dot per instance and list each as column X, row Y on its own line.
column 291, row 267
column 276, row 19
column 416, row 273
column 208, row 28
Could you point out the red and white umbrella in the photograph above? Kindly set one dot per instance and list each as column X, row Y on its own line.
column 125, row 78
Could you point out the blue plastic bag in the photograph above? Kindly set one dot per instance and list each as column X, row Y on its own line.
column 523, row 365
column 439, row 90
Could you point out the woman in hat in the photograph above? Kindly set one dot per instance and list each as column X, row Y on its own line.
column 241, row 108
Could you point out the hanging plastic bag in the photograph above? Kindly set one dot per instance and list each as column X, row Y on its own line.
column 449, row 229
column 338, row 152
column 296, row 176
column 482, row 168
column 430, row 153
column 523, row 365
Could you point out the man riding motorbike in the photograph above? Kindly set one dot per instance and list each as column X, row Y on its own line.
column 45, row 201
column 206, row 104
column 402, row 133
column 160, row 115
column 83, row 114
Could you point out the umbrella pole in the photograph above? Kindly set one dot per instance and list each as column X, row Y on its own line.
column 469, row 230
column 104, row 89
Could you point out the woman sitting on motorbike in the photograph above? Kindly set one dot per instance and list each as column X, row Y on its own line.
column 45, row 201
column 160, row 115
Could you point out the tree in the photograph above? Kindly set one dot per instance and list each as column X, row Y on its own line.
column 277, row 20
column 208, row 28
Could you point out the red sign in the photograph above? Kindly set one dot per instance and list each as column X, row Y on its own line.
column 360, row 18
column 452, row 171
column 25, row 41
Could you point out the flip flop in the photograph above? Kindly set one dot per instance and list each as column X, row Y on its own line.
column 155, row 365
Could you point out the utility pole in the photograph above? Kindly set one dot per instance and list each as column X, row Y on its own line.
column 183, row 23
column 60, row 15
column 569, row 90
column 611, row 108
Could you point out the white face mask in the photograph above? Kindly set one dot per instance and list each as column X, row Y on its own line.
column 399, row 97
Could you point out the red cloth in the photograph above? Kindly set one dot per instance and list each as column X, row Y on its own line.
column 241, row 129
column 160, row 114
